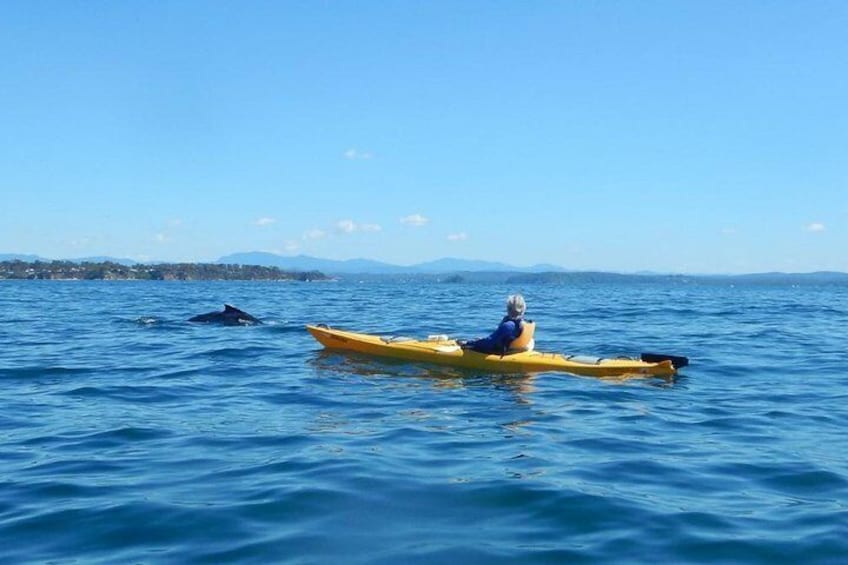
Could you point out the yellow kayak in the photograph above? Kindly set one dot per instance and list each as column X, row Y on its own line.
column 444, row 351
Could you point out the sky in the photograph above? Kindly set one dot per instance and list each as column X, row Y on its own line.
column 668, row 136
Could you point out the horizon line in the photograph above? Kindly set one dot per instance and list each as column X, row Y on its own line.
column 509, row 268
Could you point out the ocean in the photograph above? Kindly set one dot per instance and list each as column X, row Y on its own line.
column 128, row 435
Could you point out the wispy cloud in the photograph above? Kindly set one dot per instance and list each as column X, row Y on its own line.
column 416, row 220
column 816, row 227
column 728, row 231
column 461, row 236
column 265, row 221
column 171, row 227
column 354, row 154
column 346, row 226
column 315, row 234
column 349, row 226
column 291, row 246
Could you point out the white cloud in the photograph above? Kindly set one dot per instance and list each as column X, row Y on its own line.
column 315, row 234
column 461, row 236
column 354, row 154
column 265, row 221
column 416, row 220
column 728, row 231
column 349, row 226
column 815, row 227
column 171, row 226
column 291, row 246
column 346, row 226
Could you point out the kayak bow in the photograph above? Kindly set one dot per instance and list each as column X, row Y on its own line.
column 444, row 351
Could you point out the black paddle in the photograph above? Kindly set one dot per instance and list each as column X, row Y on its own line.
column 677, row 361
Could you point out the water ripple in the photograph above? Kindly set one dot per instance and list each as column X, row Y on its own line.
column 130, row 435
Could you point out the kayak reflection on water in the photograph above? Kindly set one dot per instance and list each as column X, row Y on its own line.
column 331, row 363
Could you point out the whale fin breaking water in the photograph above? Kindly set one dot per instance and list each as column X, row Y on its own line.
column 230, row 316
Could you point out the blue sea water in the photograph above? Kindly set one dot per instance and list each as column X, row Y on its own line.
column 130, row 436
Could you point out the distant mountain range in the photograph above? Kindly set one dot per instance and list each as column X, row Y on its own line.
column 19, row 257
column 466, row 270
column 331, row 266
column 369, row 266
column 817, row 278
column 95, row 259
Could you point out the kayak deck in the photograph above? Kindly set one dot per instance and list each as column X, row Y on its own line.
column 444, row 351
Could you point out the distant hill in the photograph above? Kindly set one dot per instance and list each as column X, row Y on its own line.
column 368, row 266
column 86, row 270
column 451, row 269
column 582, row 277
column 105, row 259
column 453, row 265
column 97, row 259
column 819, row 277
column 450, row 265
column 20, row 257
column 307, row 263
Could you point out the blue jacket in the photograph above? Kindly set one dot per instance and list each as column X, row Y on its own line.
column 499, row 340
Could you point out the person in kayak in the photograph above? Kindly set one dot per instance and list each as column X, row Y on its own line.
column 512, row 334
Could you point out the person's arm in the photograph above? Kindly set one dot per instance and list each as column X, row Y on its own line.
column 498, row 341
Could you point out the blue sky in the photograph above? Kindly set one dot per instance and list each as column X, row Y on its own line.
column 693, row 137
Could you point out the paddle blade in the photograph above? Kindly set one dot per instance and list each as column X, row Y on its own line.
column 677, row 361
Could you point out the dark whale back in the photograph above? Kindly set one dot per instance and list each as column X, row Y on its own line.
column 231, row 316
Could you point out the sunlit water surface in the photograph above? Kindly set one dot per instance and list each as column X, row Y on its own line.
column 129, row 435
